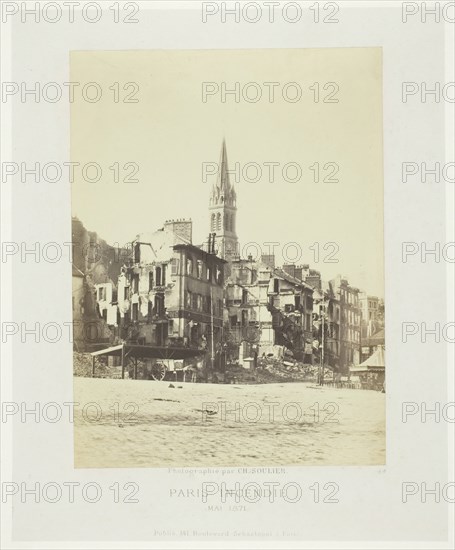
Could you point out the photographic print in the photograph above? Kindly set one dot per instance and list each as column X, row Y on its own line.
column 218, row 221
column 228, row 258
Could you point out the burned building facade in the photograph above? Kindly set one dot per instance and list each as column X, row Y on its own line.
column 337, row 312
column 169, row 294
column 94, row 263
column 267, row 307
column 348, row 298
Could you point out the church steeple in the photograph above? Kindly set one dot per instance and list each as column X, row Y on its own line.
column 223, row 182
column 223, row 210
column 222, row 190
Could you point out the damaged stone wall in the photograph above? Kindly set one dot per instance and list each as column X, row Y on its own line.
column 99, row 264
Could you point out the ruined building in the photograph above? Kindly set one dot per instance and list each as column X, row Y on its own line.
column 94, row 262
column 337, row 309
column 169, row 294
column 267, row 307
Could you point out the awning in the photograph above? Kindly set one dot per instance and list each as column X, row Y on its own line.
column 108, row 351
column 375, row 363
column 141, row 351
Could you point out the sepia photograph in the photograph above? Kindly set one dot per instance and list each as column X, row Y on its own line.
column 227, row 275
column 228, row 260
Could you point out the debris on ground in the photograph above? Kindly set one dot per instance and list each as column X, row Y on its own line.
column 269, row 370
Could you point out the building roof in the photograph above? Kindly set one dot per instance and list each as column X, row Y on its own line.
column 376, row 339
column 293, row 280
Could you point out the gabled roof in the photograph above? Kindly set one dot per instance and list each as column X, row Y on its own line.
column 376, row 361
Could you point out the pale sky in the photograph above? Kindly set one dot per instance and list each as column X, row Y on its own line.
column 171, row 132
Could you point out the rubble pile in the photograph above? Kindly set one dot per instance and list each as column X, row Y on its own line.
column 82, row 366
column 290, row 371
column 268, row 372
column 239, row 375
column 273, row 371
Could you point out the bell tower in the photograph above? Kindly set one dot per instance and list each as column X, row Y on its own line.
column 223, row 211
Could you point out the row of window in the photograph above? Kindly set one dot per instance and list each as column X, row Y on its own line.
column 351, row 317
column 349, row 297
column 353, row 335
column 155, row 308
column 202, row 303
column 157, row 277
column 298, row 304
column 207, row 273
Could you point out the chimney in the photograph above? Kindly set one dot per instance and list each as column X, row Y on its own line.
column 289, row 269
column 314, row 279
column 304, row 271
column 298, row 273
column 268, row 259
column 211, row 243
column 181, row 228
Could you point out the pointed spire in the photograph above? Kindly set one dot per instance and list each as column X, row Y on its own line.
column 223, row 193
column 223, row 182
column 223, row 209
